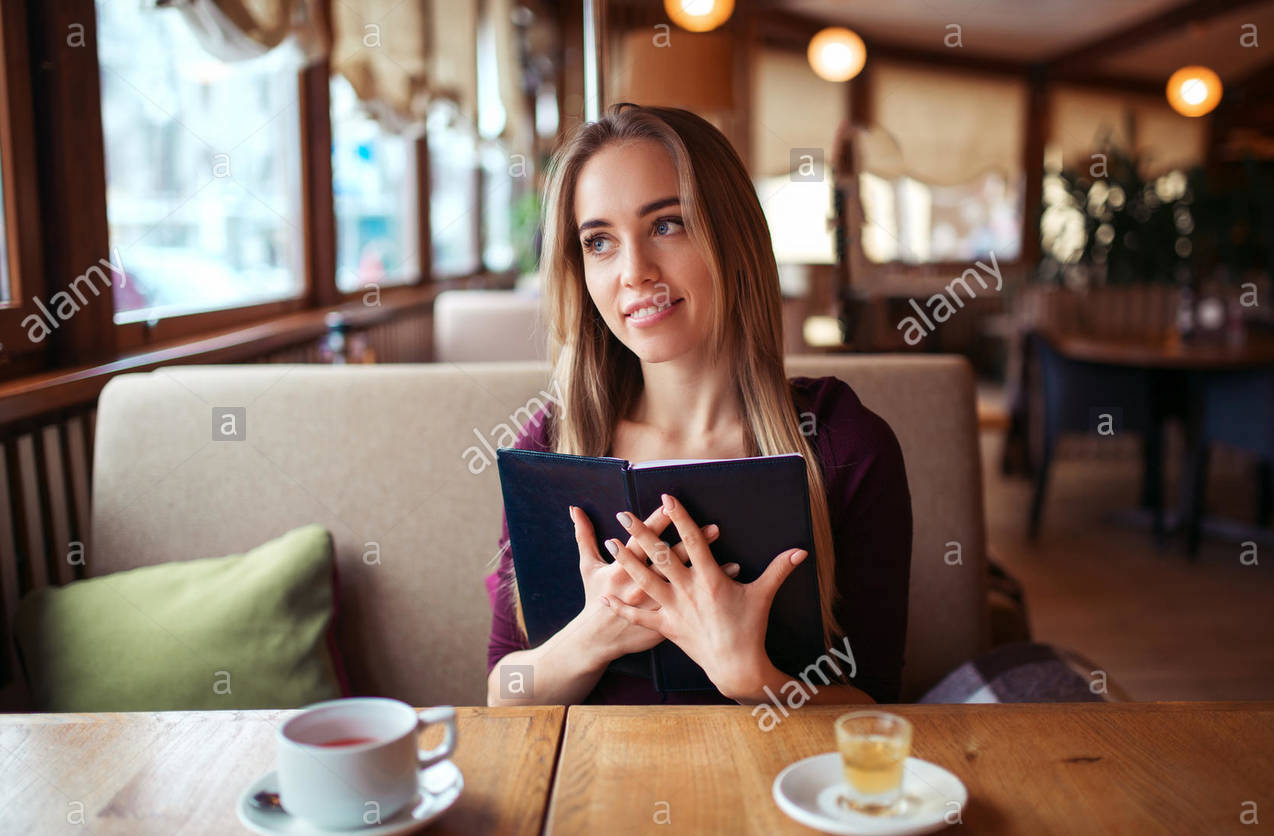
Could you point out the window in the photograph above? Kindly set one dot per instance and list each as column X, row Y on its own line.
column 497, row 207
column 202, row 167
column 374, row 187
column 453, row 199
column 951, row 194
column 913, row 222
column 799, row 214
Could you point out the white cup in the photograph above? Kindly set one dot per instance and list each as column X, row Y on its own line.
column 360, row 784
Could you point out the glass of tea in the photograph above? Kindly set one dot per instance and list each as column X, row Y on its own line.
column 873, row 748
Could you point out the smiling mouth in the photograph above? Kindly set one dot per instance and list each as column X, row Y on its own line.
column 651, row 310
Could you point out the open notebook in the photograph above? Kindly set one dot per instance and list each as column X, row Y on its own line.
column 761, row 505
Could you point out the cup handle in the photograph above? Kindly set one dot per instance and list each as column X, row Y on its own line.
column 441, row 714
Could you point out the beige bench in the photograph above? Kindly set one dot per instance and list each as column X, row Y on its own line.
column 398, row 462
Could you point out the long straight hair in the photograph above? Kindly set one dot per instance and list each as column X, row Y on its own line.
column 599, row 379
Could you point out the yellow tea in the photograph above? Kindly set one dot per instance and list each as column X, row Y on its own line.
column 873, row 765
column 874, row 746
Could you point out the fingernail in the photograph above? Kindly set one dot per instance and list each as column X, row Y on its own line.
column 625, row 519
column 711, row 530
column 731, row 569
column 612, row 546
column 669, row 503
column 605, row 600
column 570, row 511
column 799, row 556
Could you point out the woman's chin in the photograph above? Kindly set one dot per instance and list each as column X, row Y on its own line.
column 660, row 351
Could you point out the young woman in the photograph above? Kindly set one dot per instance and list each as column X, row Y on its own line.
column 666, row 341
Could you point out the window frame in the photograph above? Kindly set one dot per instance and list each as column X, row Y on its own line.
column 39, row 93
column 20, row 197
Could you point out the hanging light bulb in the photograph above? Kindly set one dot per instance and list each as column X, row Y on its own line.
column 699, row 15
column 1194, row 91
column 837, row 54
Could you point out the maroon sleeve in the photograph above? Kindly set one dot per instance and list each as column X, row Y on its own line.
column 870, row 507
column 505, row 635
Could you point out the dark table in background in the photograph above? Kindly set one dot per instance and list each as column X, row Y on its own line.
column 1177, row 369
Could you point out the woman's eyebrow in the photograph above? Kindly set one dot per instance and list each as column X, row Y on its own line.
column 661, row 203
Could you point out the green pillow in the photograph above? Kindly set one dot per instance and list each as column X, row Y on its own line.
column 251, row 630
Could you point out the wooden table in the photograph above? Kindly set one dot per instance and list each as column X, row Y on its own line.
column 182, row 772
column 1044, row 768
column 1036, row 768
column 1168, row 352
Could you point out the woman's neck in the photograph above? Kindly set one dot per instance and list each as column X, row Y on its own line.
column 685, row 401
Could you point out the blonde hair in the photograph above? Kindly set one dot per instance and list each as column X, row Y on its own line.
column 600, row 378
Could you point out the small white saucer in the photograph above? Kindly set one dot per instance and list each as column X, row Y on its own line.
column 440, row 786
column 808, row 791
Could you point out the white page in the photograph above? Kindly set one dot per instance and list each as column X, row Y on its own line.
column 664, row 462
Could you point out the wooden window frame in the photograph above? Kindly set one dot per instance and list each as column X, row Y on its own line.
column 20, row 197
column 60, row 184
column 318, row 264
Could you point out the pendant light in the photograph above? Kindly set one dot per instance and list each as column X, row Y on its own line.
column 699, row 15
column 837, row 54
column 1194, row 91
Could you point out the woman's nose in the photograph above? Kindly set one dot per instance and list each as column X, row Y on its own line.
column 638, row 268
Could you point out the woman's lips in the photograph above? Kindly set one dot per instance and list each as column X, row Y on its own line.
column 652, row 319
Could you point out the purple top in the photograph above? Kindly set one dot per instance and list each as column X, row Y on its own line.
column 870, row 509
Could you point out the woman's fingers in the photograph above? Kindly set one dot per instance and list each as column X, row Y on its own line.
column 641, row 574
column 585, row 540
column 777, row 572
column 710, row 534
column 650, row 619
column 656, row 522
column 691, row 537
column 660, row 553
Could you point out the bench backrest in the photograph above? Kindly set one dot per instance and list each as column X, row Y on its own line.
column 398, row 462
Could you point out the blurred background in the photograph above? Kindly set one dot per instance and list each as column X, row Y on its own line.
column 1077, row 196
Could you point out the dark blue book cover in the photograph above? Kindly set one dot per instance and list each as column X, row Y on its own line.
column 761, row 505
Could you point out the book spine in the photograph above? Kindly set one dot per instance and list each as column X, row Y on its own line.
column 630, row 482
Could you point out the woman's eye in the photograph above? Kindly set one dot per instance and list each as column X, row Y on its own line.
column 667, row 226
column 596, row 245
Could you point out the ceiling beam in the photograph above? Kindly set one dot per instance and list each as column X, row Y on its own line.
column 1081, row 58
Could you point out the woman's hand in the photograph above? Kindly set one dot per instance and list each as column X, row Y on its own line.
column 609, row 635
column 719, row 623
column 566, row 667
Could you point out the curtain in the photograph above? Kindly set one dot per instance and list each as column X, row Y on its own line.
column 382, row 47
column 239, row 30
column 1081, row 120
column 518, row 122
column 942, row 127
column 453, row 62
column 792, row 108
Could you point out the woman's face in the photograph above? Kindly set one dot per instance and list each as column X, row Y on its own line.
column 643, row 271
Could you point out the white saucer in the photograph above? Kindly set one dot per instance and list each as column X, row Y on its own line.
column 440, row 786
column 808, row 791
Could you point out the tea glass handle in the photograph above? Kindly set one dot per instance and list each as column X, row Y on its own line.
column 441, row 714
